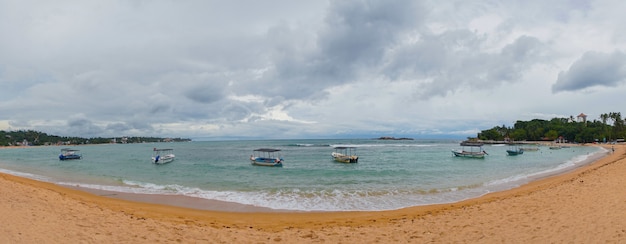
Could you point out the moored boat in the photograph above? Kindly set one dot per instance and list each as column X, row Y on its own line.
column 68, row 154
column 530, row 149
column 163, row 156
column 475, row 150
column 266, row 157
column 345, row 155
column 514, row 150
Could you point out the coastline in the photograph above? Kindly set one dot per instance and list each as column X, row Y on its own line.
column 583, row 205
column 225, row 206
column 181, row 201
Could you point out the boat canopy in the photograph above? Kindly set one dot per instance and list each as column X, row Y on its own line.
column 345, row 150
column 69, row 150
column 269, row 150
column 341, row 148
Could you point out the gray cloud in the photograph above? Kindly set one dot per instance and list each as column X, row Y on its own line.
column 514, row 59
column 310, row 68
column 593, row 69
column 353, row 39
column 84, row 127
column 204, row 94
column 441, row 64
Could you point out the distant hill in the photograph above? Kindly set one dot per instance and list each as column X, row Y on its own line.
column 36, row 138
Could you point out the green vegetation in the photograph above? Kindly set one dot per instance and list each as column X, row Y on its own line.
column 560, row 128
column 35, row 138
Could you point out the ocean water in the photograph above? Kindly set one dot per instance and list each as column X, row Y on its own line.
column 389, row 174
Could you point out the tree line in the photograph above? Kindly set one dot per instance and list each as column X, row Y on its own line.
column 567, row 129
column 36, row 138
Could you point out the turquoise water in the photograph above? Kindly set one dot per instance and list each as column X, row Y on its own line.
column 389, row 175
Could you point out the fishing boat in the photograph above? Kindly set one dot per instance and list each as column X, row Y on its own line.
column 68, row 154
column 162, row 156
column 345, row 155
column 514, row 150
column 474, row 150
column 266, row 157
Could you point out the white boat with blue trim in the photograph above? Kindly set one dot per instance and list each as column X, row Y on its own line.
column 267, row 157
column 163, row 156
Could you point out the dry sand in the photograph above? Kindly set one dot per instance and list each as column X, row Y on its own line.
column 587, row 205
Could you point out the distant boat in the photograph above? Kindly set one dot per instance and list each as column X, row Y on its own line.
column 162, row 156
column 472, row 144
column 266, row 157
column 475, row 150
column 555, row 147
column 530, row 149
column 68, row 154
column 514, row 150
column 345, row 155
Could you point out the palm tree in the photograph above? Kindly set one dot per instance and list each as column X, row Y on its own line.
column 604, row 118
column 618, row 123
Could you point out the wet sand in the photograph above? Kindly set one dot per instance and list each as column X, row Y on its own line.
column 586, row 205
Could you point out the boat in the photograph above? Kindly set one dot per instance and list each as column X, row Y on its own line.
column 530, row 149
column 266, row 157
column 68, row 154
column 162, row 156
column 475, row 150
column 345, row 155
column 514, row 150
column 472, row 144
column 555, row 147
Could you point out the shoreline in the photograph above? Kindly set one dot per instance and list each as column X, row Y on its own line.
column 585, row 204
column 196, row 201
column 226, row 206
column 181, row 201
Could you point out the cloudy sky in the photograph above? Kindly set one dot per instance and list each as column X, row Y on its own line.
column 306, row 69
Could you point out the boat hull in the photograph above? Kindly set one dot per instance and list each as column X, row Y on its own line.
column 341, row 158
column 69, row 157
column 271, row 162
column 466, row 154
column 514, row 152
column 69, row 154
column 163, row 159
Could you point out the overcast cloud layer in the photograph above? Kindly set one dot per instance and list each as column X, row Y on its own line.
column 306, row 69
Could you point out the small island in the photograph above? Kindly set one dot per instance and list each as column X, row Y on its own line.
column 393, row 138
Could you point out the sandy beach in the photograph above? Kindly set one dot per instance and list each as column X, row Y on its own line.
column 587, row 205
